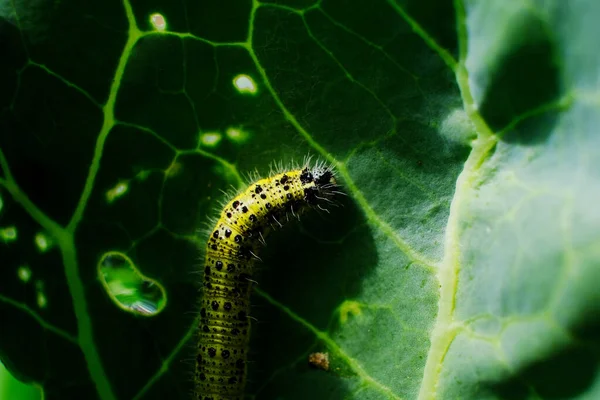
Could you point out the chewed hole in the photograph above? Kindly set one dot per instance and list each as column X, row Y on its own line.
column 40, row 295
column 116, row 192
column 244, row 84
column 42, row 242
column 128, row 288
column 210, row 139
column 24, row 273
column 8, row 234
column 237, row 135
column 158, row 22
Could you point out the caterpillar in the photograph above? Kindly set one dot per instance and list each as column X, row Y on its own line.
column 231, row 253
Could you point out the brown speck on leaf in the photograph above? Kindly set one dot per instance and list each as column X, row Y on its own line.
column 319, row 361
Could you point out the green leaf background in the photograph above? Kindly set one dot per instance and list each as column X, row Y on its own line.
column 463, row 264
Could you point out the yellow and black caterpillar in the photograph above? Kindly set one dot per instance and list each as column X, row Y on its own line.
column 231, row 253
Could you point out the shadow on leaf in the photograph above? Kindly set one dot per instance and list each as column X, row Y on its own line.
column 567, row 373
column 310, row 268
column 527, row 78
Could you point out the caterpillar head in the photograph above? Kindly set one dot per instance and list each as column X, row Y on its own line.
column 319, row 185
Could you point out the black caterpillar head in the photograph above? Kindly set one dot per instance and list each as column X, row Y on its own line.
column 319, row 185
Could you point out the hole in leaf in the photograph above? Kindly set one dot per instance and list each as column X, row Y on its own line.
column 8, row 234
column 128, row 288
column 24, row 273
column 244, row 84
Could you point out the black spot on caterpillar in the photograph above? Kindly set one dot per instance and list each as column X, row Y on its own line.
column 231, row 252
